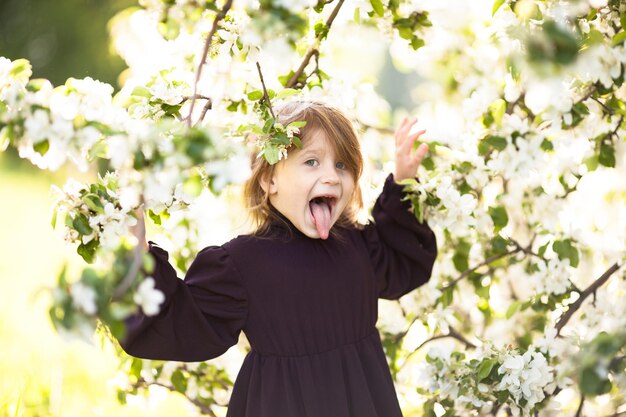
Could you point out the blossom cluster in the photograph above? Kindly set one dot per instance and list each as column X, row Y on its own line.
column 489, row 379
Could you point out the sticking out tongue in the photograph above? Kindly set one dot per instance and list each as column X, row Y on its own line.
column 321, row 217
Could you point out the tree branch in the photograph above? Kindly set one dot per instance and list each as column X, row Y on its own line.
column 266, row 96
column 207, row 45
column 487, row 261
column 580, row 406
column 451, row 333
column 586, row 293
column 207, row 106
column 313, row 50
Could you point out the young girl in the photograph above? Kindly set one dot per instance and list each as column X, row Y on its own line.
column 304, row 286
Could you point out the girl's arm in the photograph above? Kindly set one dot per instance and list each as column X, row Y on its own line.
column 402, row 250
column 201, row 316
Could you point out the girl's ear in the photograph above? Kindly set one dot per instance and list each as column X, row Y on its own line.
column 268, row 185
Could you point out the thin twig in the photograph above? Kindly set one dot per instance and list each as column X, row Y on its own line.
column 609, row 111
column 207, row 106
column 196, row 96
column 313, row 50
column 451, row 333
column 266, row 96
column 487, row 261
column 204, row 409
column 207, row 45
column 586, row 293
column 580, row 406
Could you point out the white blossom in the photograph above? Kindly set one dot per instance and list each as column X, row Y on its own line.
column 84, row 297
column 148, row 297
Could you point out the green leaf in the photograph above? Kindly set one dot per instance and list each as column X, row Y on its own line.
column 321, row 30
column 378, row 7
column 498, row 108
column 491, row 142
column 269, row 123
column 281, row 138
column 81, row 224
column 232, row 107
column 619, row 38
column 417, row 43
column 136, row 367
column 179, row 381
column 485, row 367
column 93, row 202
column 270, row 153
column 88, row 251
column 513, row 309
column 607, row 155
column 141, row 91
column 155, row 217
column 255, row 95
column 461, row 256
column 496, row 6
column 499, row 216
column 6, row 133
column 287, row 92
column 296, row 141
column 566, row 250
column 42, row 147
column 592, row 163
column 592, row 384
column 447, row 296
column 298, row 124
column 497, row 142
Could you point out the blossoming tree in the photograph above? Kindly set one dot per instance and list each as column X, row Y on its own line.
column 525, row 184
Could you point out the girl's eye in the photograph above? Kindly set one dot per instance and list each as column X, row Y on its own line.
column 311, row 162
column 340, row 165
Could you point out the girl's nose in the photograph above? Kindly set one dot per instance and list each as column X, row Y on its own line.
column 330, row 176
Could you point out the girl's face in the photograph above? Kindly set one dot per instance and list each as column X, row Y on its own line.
column 311, row 187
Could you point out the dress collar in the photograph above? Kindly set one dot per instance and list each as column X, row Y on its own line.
column 278, row 222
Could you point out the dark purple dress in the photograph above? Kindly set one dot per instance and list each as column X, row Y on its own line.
column 307, row 306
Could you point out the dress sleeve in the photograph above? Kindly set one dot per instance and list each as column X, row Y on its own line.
column 201, row 316
column 402, row 249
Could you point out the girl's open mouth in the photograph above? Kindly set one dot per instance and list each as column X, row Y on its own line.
column 321, row 208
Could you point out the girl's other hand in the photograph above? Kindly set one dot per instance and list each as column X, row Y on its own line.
column 408, row 160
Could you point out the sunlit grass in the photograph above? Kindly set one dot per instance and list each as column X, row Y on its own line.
column 42, row 374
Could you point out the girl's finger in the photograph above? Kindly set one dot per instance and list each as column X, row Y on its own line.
column 420, row 153
column 416, row 135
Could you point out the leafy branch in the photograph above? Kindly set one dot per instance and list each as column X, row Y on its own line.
column 313, row 50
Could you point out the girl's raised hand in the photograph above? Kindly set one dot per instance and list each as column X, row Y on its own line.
column 408, row 160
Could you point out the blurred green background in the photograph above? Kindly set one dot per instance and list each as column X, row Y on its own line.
column 42, row 374
column 61, row 39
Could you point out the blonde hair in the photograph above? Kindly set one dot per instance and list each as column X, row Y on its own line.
column 341, row 135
